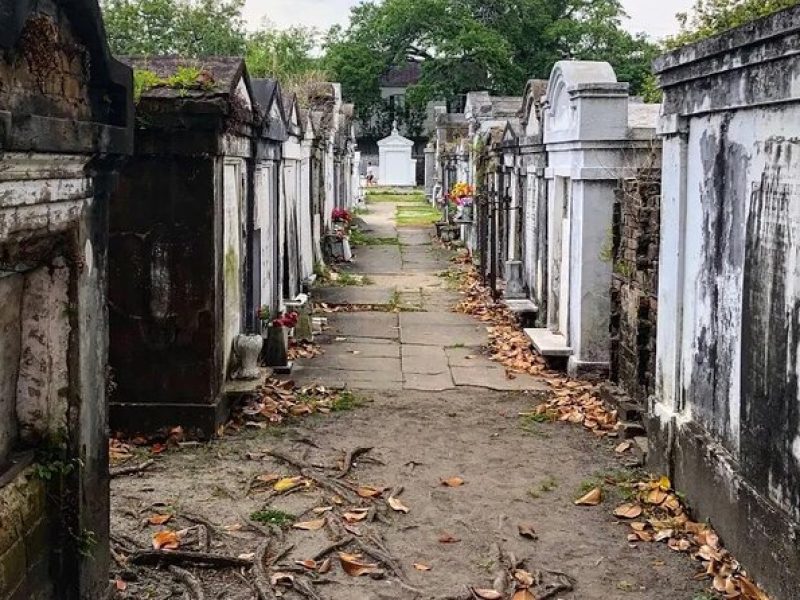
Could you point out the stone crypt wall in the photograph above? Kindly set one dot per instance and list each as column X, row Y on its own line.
column 65, row 123
column 725, row 416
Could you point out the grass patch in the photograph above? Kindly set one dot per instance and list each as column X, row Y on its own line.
column 359, row 238
column 342, row 279
column 397, row 198
column 614, row 481
column 347, row 400
column 548, row 485
column 452, row 278
column 271, row 516
column 410, row 216
column 393, row 191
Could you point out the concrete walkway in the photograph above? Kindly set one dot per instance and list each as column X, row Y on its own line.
column 419, row 344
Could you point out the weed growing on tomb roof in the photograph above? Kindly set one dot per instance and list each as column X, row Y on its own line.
column 184, row 78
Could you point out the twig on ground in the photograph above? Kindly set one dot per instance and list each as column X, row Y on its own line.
column 332, row 548
column 262, row 584
column 190, row 581
column 131, row 470
column 349, row 459
column 180, row 557
column 305, row 588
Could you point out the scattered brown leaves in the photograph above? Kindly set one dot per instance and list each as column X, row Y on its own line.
column 666, row 519
column 508, row 344
column 573, row 401
column 303, row 349
column 278, row 400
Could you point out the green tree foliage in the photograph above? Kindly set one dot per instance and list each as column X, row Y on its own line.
column 465, row 45
column 284, row 54
column 710, row 17
column 187, row 27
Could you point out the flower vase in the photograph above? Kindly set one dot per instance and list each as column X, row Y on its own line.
column 276, row 349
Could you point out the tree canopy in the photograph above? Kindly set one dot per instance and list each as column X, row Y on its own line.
column 187, row 27
column 710, row 17
column 464, row 45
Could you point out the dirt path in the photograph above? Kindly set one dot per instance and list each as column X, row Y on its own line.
column 431, row 406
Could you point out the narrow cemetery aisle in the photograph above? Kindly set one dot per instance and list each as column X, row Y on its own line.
column 424, row 468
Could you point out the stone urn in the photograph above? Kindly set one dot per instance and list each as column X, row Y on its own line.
column 247, row 349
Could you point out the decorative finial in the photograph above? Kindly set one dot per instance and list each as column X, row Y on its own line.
column 395, row 131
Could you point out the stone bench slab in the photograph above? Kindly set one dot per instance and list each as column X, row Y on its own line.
column 548, row 343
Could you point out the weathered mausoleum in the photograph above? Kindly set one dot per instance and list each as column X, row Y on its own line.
column 65, row 122
column 725, row 416
column 181, row 264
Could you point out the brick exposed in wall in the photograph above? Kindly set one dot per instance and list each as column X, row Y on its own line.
column 49, row 74
column 24, row 538
column 634, row 287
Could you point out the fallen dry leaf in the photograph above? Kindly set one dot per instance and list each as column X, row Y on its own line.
column 166, row 540
column 325, row 566
column 523, row 594
column 526, row 530
column 352, row 565
column 313, row 525
column 487, row 594
column 159, row 519
column 308, row 564
column 628, row 511
column 287, row 483
column 453, row 482
column 355, row 516
column 281, row 578
column 369, row 492
column 623, row 447
column 523, row 578
column 448, row 538
column 397, row 505
column 592, row 498
column 422, row 567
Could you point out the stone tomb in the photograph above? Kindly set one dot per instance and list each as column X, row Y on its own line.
column 181, row 260
column 595, row 136
column 396, row 166
column 65, row 120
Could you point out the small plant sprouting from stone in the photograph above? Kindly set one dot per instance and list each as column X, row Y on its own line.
column 51, row 462
column 85, row 542
column 184, row 78
column 272, row 516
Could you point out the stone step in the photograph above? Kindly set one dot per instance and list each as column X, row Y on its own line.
column 521, row 305
column 549, row 343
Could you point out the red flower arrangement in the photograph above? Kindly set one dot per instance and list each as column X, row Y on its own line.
column 341, row 215
column 289, row 320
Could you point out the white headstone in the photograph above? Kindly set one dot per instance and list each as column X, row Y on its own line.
column 396, row 167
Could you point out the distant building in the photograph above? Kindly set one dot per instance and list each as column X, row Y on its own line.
column 394, row 87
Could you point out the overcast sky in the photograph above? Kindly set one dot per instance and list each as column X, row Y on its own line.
column 655, row 17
